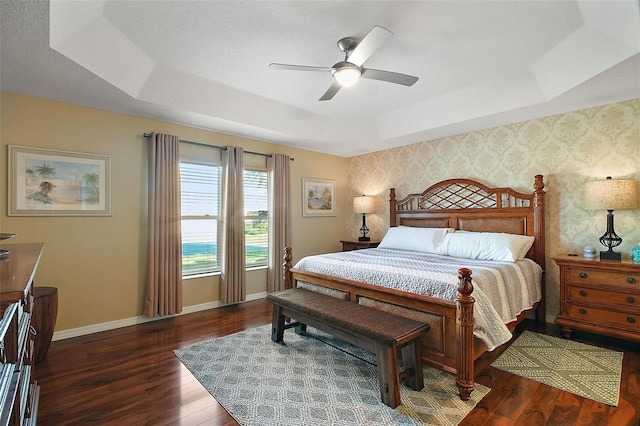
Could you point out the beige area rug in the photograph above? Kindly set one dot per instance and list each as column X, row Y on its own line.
column 308, row 381
column 581, row 369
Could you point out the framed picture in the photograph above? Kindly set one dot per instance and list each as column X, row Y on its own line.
column 318, row 197
column 44, row 182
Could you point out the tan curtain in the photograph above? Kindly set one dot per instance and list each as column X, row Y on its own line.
column 233, row 286
column 279, row 218
column 164, row 264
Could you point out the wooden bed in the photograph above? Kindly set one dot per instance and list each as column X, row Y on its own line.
column 462, row 204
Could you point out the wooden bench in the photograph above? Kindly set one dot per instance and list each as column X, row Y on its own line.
column 377, row 331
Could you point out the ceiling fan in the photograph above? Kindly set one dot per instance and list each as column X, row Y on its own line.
column 349, row 71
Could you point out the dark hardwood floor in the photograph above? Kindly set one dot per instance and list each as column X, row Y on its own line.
column 130, row 376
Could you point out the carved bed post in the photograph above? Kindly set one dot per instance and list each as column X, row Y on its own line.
column 538, row 231
column 392, row 207
column 464, row 334
column 287, row 268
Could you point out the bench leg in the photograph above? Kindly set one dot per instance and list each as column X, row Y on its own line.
column 301, row 329
column 411, row 360
column 277, row 325
column 388, row 377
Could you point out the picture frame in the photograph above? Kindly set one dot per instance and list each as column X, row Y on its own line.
column 45, row 182
column 318, row 197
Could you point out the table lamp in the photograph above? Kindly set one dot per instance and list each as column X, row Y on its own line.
column 610, row 195
column 365, row 204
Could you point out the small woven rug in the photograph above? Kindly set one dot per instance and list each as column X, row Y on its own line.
column 581, row 369
column 308, row 381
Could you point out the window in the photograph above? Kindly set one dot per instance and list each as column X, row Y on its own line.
column 256, row 206
column 201, row 203
column 201, row 219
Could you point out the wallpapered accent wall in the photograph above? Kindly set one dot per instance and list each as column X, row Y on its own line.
column 568, row 149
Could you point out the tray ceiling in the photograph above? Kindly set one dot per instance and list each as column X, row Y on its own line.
column 205, row 64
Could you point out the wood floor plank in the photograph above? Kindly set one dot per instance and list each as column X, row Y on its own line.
column 566, row 410
column 539, row 407
column 501, row 385
column 624, row 414
column 592, row 413
column 517, row 400
column 131, row 377
column 498, row 420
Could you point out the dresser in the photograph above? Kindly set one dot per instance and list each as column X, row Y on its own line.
column 599, row 296
column 348, row 245
column 19, row 393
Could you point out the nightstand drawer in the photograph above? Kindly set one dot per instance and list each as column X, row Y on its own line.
column 358, row 245
column 604, row 297
column 605, row 316
column 627, row 280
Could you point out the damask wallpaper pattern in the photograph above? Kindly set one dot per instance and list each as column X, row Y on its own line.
column 568, row 149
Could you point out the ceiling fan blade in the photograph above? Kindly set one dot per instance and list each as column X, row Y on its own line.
column 389, row 76
column 299, row 67
column 369, row 44
column 331, row 91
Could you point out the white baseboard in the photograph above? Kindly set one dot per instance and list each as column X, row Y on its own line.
column 112, row 325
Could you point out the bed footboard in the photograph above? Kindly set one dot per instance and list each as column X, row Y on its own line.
column 450, row 344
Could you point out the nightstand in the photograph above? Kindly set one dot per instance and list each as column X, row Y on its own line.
column 599, row 296
column 358, row 245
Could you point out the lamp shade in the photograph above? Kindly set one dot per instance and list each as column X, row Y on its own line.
column 610, row 194
column 346, row 73
column 364, row 204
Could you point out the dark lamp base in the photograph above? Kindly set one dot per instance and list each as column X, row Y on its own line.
column 364, row 239
column 610, row 255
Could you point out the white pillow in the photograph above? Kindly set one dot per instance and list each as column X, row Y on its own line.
column 485, row 245
column 411, row 238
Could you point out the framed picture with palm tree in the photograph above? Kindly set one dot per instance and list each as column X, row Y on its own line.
column 44, row 182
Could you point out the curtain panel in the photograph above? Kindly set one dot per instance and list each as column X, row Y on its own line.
column 279, row 190
column 163, row 295
column 233, row 282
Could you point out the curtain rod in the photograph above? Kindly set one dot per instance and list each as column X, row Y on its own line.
column 147, row 135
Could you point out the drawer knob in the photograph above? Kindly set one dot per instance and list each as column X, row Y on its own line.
column 583, row 293
column 584, row 311
column 631, row 280
column 583, row 275
column 631, row 320
column 630, row 300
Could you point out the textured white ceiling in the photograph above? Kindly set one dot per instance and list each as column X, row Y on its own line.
column 205, row 64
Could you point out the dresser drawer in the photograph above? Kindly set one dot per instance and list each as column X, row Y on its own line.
column 627, row 280
column 604, row 297
column 604, row 316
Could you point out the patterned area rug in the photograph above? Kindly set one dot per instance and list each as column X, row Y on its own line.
column 310, row 382
column 584, row 370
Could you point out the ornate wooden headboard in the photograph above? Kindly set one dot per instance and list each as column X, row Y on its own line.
column 471, row 206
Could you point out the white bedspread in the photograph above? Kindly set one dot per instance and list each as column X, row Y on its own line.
column 502, row 290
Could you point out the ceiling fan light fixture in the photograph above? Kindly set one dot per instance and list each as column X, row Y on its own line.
column 351, row 69
column 346, row 74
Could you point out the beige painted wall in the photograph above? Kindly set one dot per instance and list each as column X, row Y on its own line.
column 99, row 263
column 568, row 149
